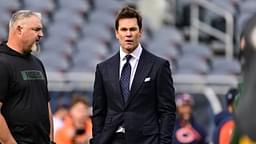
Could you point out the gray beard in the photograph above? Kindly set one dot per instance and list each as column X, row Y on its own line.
column 35, row 50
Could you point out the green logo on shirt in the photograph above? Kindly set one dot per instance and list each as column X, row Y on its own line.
column 32, row 75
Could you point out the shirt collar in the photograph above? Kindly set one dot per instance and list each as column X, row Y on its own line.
column 135, row 54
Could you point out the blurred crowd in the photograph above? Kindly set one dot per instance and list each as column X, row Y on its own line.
column 72, row 121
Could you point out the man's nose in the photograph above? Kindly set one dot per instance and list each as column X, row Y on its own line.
column 128, row 33
column 41, row 33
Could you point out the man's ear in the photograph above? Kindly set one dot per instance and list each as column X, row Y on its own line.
column 116, row 34
column 141, row 32
column 18, row 29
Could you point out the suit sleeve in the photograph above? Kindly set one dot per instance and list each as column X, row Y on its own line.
column 99, row 105
column 166, row 103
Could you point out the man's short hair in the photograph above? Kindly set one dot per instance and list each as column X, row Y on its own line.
column 128, row 12
column 22, row 14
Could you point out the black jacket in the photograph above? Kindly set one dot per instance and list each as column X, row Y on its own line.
column 149, row 113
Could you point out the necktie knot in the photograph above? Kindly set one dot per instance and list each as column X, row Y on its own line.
column 128, row 57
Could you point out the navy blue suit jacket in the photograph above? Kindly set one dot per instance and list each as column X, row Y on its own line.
column 149, row 113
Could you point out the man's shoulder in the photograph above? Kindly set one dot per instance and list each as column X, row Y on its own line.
column 112, row 59
column 145, row 54
column 4, row 59
column 4, row 54
column 153, row 56
column 36, row 58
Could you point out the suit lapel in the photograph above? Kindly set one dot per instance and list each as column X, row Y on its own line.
column 114, row 73
column 142, row 70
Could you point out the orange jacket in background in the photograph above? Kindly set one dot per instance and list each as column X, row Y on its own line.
column 65, row 134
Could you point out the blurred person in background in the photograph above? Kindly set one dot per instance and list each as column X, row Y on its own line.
column 25, row 116
column 77, row 127
column 225, row 121
column 63, row 105
column 187, row 129
column 133, row 97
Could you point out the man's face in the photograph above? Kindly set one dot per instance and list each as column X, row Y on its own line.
column 31, row 30
column 128, row 34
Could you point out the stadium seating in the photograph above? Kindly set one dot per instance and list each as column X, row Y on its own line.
column 79, row 34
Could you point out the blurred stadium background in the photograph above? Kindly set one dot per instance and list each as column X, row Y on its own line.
column 200, row 38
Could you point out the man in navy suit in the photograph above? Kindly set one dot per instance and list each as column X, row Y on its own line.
column 133, row 98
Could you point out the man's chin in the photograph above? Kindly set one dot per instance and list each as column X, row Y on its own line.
column 130, row 48
column 30, row 49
